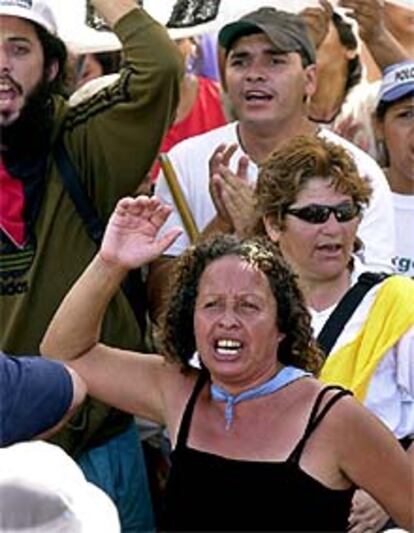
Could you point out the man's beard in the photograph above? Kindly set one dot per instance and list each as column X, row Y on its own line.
column 29, row 135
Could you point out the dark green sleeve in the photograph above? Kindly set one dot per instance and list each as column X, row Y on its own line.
column 114, row 136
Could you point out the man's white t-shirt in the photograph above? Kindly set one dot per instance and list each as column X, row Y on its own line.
column 190, row 160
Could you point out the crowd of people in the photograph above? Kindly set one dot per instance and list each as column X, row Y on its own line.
column 271, row 349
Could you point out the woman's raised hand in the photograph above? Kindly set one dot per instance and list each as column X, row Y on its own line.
column 131, row 236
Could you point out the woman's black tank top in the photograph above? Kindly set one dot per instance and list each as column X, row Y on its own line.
column 207, row 492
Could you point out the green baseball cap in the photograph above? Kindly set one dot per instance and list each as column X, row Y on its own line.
column 287, row 31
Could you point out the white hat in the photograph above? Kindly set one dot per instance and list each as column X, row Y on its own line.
column 86, row 40
column 398, row 81
column 42, row 490
column 76, row 34
column 34, row 10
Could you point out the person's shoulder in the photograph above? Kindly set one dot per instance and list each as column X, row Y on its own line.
column 209, row 88
column 92, row 87
column 340, row 403
column 360, row 156
column 327, row 405
column 204, row 142
column 366, row 164
column 402, row 287
column 376, row 280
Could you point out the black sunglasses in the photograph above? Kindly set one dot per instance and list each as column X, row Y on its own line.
column 318, row 214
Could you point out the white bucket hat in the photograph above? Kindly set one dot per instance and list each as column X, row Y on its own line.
column 42, row 490
column 34, row 10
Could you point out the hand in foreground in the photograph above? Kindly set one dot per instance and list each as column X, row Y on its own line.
column 130, row 238
column 366, row 514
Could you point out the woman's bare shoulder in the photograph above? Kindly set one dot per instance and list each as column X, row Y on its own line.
column 177, row 387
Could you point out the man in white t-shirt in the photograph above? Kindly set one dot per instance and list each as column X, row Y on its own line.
column 270, row 74
column 394, row 121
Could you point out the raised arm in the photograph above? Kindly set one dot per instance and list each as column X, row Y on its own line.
column 139, row 106
column 112, row 375
column 317, row 21
column 113, row 11
column 129, row 242
column 383, row 46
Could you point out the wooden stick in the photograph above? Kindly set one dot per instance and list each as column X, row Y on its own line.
column 179, row 198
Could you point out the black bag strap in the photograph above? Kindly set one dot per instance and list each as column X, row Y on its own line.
column 345, row 309
column 77, row 192
column 133, row 285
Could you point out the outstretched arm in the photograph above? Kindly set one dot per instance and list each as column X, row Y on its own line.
column 383, row 46
column 113, row 11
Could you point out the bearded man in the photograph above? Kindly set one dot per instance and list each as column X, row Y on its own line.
column 111, row 140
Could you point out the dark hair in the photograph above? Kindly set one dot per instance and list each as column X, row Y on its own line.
column 287, row 170
column 383, row 107
column 54, row 49
column 109, row 61
column 348, row 39
column 380, row 112
column 298, row 346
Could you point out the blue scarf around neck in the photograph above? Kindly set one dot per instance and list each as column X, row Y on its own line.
column 282, row 378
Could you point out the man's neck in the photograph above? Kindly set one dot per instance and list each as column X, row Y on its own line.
column 327, row 101
column 259, row 142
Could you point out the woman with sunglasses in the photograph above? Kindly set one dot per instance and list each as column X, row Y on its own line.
column 310, row 197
